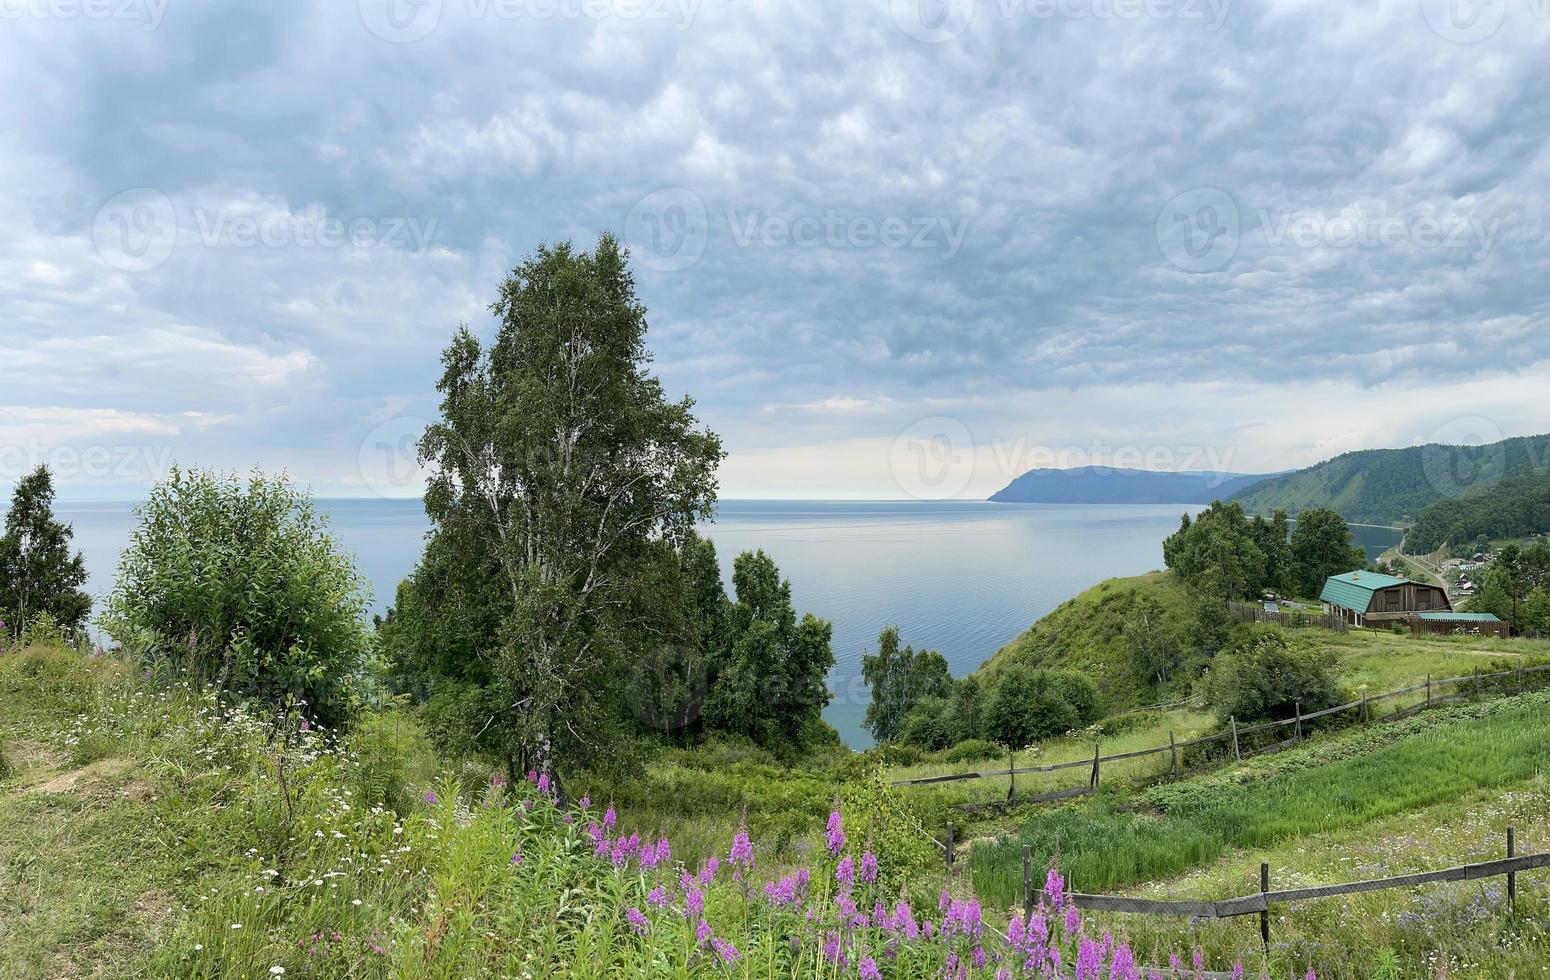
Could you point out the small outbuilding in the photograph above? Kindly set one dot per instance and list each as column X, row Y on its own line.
column 1362, row 598
column 1484, row 624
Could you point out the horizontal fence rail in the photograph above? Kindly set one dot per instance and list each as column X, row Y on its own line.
column 1364, row 705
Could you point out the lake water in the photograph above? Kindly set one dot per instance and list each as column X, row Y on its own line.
column 962, row 577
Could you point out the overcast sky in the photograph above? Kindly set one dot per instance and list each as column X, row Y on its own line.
column 892, row 249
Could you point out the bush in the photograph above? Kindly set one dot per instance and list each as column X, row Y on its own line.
column 242, row 586
column 973, row 750
column 395, row 761
column 927, row 725
column 1026, row 704
column 1263, row 677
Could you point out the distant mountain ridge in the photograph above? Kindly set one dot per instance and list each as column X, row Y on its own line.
column 1118, row 485
column 1393, row 486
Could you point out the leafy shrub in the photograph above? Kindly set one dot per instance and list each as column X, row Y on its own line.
column 895, row 754
column 1130, row 721
column 394, row 760
column 972, row 750
column 1028, row 703
column 241, row 585
column 1262, row 676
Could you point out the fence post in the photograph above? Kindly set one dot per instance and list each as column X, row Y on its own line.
column 1264, row 917
column 1366, row 710
column 1520, row 677
column 1027, row 881
column 1428, row 690
column 1011, row 794
column 949, row 852
column 1094, row 782
column 1299, row 720
column 1173, row 752
column 1235, row 753
column 1512, row 876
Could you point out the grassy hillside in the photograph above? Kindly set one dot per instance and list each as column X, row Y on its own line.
column 1085, row 633
column 1393, row 486
column 1513, row 508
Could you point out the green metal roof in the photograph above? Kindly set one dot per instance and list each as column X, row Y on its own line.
column 1353, row 590
column 1458, row 617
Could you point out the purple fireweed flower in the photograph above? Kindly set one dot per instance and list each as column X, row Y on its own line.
column 430, row 797
column 1016, row 931
column 585, row 802
column 868, row 970
column 664, row 851
column 608, row 818
column 1054, row 887
column 725, row 950
column 1311, row 975
column 928, row 929
column 742, row 849
column 904, row 920
column 943, row 901
column 657, row 897
column 516, row 858
column 979, row 957
column 868, row 867
column 497, row 781
column 543, row 782
column 1089, row 960
column 1038, row 926
column 703, row 933
column 1003, row 974
column 708, row 872
column 1237, row 971
column 836, row 833
column 648, row 858
column 1174, row 963
column 532, row 775
column 780, row 893
column 831, row 948
column 602, row 848
column 1200, row 961
column 638, row 920
column 305, row 725
column 694, row 901
column 845, row 874
column 1123, row 966
column 1073, row 920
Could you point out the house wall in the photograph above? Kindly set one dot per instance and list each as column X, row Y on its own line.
column 1399, row 601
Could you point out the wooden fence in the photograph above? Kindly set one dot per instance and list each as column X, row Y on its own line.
column 1260, row 902
column 1291, row 617
column 1463, row 686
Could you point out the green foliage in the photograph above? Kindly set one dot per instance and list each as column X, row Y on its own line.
column 241, row 584
column 1511, row 508
column 1026, row 704
column 770, row 682
column 972, row 750
column 6, row 769
column 1264, row 676
column 1323, row 545
column 928, row 725
column 1392, row 486
column 392, row 760
column 1508, row 588
column 1152, row 642
column 38, row 574
column 560, row 464
column 1217, row 552
column 899, row 679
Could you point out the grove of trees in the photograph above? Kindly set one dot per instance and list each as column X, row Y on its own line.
column 38, row 573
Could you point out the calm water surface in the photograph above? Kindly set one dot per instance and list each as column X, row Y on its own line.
column 963, row 577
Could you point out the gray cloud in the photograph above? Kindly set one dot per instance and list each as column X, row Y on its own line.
column 840, row 228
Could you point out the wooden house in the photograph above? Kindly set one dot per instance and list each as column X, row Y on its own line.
column 1367, row 598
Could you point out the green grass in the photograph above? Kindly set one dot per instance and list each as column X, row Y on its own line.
column 1330, row 784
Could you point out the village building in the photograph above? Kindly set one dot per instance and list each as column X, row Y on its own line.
column 1368, row 598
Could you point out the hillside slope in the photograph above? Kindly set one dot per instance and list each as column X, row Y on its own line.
column 1513, row 508
column 1391, row 486
column 1086, row 633
column 1117, row 485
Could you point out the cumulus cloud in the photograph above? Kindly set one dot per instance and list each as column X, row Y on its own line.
column 1057, row 224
